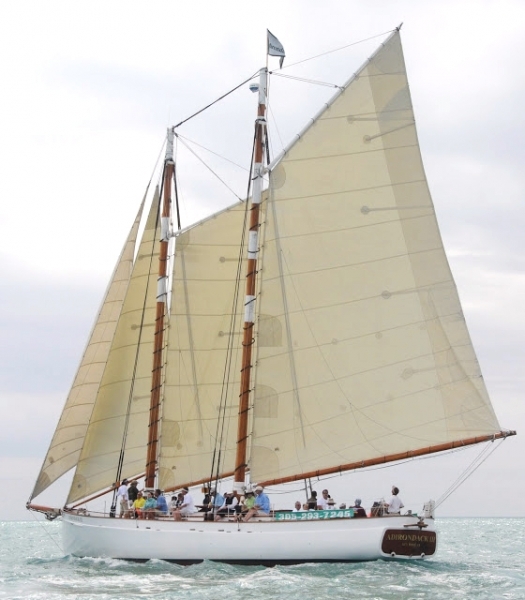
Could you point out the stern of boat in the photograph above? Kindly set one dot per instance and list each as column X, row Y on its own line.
column 409, row 542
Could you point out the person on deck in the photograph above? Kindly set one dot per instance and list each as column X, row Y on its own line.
column 359, row 511
column 162, row 505
column 312, row 501
column 395, row 503
column 173, row 505
column 217, row 500
column 150, row 507
column 122, row 497
column 261, row 507
column 297, row 507
column 186, row 508
column 132, row 492
column 322, row 503
column 138, row 505
column 248, row 502
column 229, row 506
column 330, row 505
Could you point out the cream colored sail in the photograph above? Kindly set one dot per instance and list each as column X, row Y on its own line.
column 363, row 350
column 199, row 416
column 66, row 444
column 118, row 427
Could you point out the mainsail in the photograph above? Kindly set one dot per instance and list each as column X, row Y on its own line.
column 68, row 438
column 363, row 350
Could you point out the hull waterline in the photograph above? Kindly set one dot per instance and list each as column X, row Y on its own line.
column 263, row 543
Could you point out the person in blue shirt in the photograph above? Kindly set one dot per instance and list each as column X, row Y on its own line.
column 162, row 505
column 262, row 505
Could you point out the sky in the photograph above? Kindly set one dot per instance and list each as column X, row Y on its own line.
column 88, row 89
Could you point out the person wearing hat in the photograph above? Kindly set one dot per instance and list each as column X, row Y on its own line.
column 248, row 502
column 395, row 504
column 330, row 504
column 359, row 511
column 122, row 497
column 261, row 507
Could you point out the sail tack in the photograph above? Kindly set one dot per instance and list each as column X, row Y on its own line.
column 65, row 447
column 363, row 350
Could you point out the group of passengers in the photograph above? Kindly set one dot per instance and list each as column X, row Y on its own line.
column 230, row 505
column 326, row 502
column 148, row 504
column 136, row 504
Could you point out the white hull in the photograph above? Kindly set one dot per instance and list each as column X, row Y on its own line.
column 270, row 542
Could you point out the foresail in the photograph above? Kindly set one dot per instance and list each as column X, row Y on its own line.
column 117, row 430
column 363, row 350
column 66, row 444
column 199, row 413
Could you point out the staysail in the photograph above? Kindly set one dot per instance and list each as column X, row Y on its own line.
column 68, row 438
column 363, row 350
column 199, row 411
column 117, row 431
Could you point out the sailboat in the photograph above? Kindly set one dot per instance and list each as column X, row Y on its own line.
column 312, row 329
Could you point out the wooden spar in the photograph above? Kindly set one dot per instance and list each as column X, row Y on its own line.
column 249, row 304
column 158, row 343
column 390, row 458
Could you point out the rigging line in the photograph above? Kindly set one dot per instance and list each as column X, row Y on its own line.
column 208, row 167
column 469, row 471
column 183, row 137
column 215, row 101
column 304, row 80
column 338, row 49
column 276, row 126
column 34, row 517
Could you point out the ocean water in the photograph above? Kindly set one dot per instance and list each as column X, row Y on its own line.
column 478, row 558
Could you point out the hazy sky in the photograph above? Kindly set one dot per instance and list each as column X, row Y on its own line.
column 87, row 91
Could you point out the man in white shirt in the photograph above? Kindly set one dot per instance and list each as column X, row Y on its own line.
column 395, row 504
column 122, row 498
column 187, row 507
column 322, row 502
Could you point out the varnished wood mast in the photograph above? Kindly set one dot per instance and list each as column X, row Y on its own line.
column 248, row 335
column 390, row 458
column 160, row 318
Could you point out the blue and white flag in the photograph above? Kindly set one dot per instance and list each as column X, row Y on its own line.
column 275, row 48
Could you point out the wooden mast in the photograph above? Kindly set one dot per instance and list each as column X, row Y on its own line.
column 251, row 272
column 160, row 317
